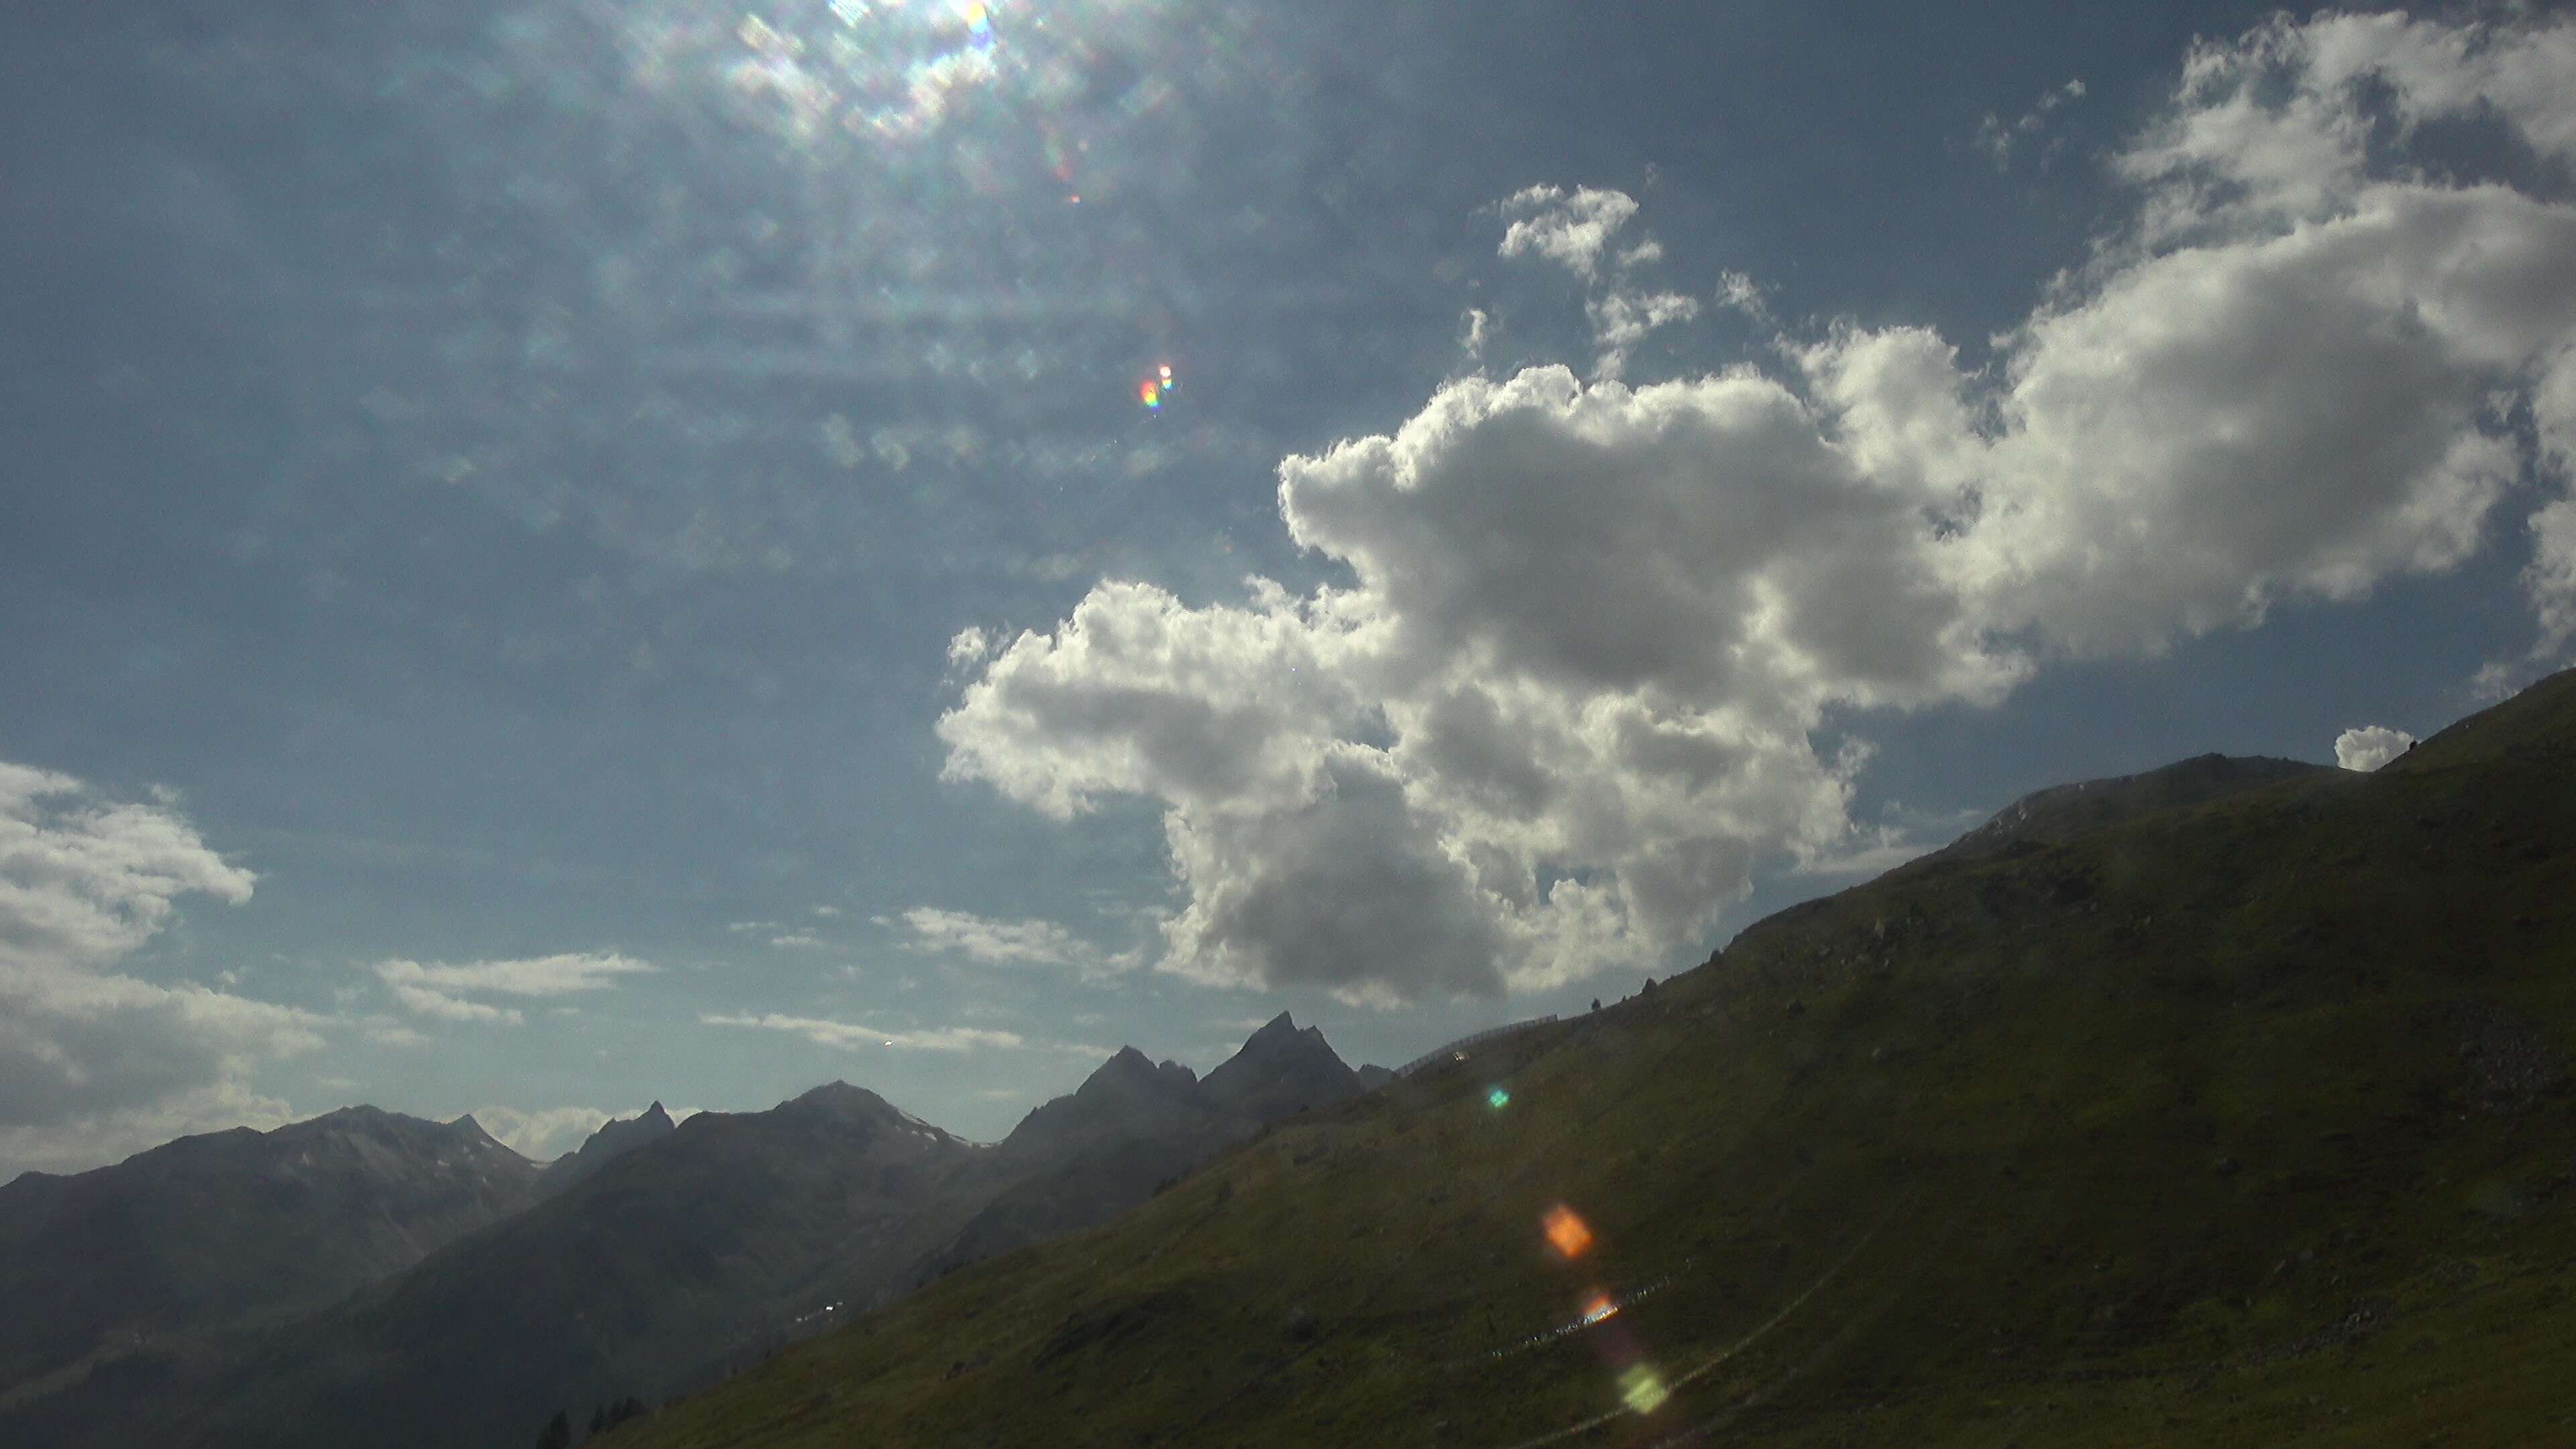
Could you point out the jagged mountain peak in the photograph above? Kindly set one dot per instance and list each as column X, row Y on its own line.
column 613, row 1139
column 1280, row 1070
column 1278, row 1029
column 474, row 1131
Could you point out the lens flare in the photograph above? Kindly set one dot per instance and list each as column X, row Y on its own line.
column 1150, row 393
column 1643, row 1389
column 1567, row 1233
column 1498, row 1099
column 1599, row 1306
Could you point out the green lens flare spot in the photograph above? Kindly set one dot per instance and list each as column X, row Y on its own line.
column 1643, row 1390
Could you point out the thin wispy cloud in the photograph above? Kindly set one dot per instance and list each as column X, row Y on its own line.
column 444, row 992
column 855, row 1036
column 1998, row 137
column 991, row 942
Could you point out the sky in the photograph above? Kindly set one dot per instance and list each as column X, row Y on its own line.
column 562, row 553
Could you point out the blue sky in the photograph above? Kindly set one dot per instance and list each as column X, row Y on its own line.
column 561, row 554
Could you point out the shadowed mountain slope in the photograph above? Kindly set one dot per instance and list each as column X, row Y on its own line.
column 1127, row 1098
column 2242, row 1119
column 229, row 1227
column 669, row 1258
column 680, row 1252
column 1133, row 1128
column 2062, row 812
column 1281, row 1071
column 615, row 1138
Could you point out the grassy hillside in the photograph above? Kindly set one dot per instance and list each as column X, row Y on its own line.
column 2242, row 1121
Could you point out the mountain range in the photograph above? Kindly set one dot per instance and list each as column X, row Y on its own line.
column 342, row 1278
column 2225, row 1103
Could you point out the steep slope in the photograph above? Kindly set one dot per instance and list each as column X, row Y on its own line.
column 2062, row 812
column 614, row 1139
column 237, row 1226
column 2241, row 1120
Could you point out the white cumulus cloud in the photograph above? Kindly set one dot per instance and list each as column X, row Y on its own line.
column 1565, row 698
column 2371, row 746
column 1572, row 229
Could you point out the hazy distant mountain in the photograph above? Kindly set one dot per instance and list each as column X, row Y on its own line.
column 1135, row 1127
column 673, row 1256
column 1127, row 1098
column 615, row 1138
column 211, row 1231
column 670, row 1253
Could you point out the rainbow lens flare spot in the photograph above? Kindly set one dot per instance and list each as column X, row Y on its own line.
column 1567, row 1233
column 1643, row 1390
column 1498, row 1099
column 1150, row 393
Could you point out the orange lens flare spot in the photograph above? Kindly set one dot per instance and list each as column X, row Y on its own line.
column 1598, row 1307
column 1567, row 1233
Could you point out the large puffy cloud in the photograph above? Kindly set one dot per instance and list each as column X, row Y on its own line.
column 2367, row 747
column 1567, row 700
column 94, row 1061
column 2551, row 579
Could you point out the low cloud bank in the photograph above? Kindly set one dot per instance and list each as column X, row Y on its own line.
column 96, row 1062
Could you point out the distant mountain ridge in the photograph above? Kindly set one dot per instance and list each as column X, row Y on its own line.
column 1134, row 1126
column 230, row 1227
column 660, row 1254
column 615, row 1138
column 1280, row 1072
